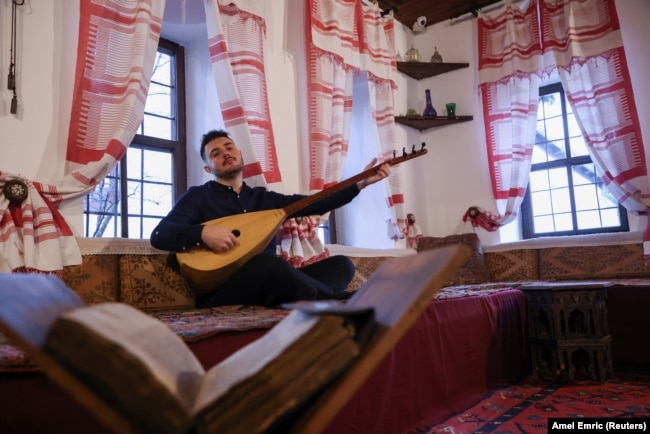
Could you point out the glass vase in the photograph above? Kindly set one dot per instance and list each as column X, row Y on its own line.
column 428, row 109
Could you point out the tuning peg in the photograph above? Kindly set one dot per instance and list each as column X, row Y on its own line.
column 404, row 151
column 394, row 154
column 422, row 146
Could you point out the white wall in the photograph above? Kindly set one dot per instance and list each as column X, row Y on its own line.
column 35, row 138
column 438, row 187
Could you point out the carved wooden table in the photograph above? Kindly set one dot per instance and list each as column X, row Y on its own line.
column 568, row 329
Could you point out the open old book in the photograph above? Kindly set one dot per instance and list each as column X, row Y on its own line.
column 138, row 376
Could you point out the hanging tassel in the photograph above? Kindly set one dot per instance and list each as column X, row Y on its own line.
column 14, row 105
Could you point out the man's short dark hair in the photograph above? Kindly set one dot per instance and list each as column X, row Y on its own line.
column 210, row 136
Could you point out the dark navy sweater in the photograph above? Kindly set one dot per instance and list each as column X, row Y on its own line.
column 181, row 228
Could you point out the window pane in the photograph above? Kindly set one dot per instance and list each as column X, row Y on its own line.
column 542, row 203
column 150, row 169
column 605, row 198
column 539, row 153
column 159, row 100
column 134, row 227
column 544, row 224
column 551, row 104
column 588, row 219
column 584, row 174
column 578, row 147
column 555, row 131
column 610, row 217
column 134, row 197
column 157, row 127
column 556, row 150
column 539, row 180
column 158, row 166
column 134, row 162
column 105, row 226
column 586, row 197
column 574, row 128
column 558, row 177
column 565, row 194
column 563, row 222
column 157, row 199
column 568, row 108
column 148, row 225
column 561, row 200
column 162, row 69
column 105, row 197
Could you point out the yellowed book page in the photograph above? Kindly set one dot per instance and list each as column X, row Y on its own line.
column 168, row 358
column 251, row 359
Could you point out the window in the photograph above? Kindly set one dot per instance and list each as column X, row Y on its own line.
column 565, row 195
column 144, row 185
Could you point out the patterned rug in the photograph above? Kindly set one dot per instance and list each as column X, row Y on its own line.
column 527, row 406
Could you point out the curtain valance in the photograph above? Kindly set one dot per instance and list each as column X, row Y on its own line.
column 355, row 34
column 534, row 36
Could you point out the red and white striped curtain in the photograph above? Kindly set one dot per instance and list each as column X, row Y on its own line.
column 382, row 106
column 116, row 51
column 236, row 44
column 582, row 40
column 593, row 70
column 346, row 37
column 509, row 56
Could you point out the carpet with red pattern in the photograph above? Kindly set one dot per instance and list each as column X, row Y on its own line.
column 527, row 406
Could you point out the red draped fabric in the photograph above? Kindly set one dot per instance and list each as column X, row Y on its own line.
column 117, row 46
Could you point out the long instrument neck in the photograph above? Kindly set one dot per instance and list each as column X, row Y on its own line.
column 310, row 200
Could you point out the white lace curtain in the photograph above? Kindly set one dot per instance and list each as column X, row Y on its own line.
column 581, row 39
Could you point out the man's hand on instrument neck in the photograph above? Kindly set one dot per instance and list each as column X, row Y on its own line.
column 382, row 172
column 218, row 239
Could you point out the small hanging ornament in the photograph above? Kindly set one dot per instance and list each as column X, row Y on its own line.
column 436, row 58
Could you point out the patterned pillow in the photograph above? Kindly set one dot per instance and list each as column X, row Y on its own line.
column 151, row 283
column 475, row 270
column 513, row 265
column 592, row 262
column 95, row 280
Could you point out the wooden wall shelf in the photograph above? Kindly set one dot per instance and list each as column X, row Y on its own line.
column 425, row 122
column 420, row 70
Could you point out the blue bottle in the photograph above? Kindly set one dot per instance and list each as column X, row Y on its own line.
column 429, row 110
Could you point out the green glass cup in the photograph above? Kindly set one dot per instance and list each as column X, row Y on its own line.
column 451, row 108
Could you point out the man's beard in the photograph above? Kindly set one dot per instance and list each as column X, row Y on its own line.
column 229, row 173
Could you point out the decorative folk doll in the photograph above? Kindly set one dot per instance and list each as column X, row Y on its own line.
column 412, row 232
